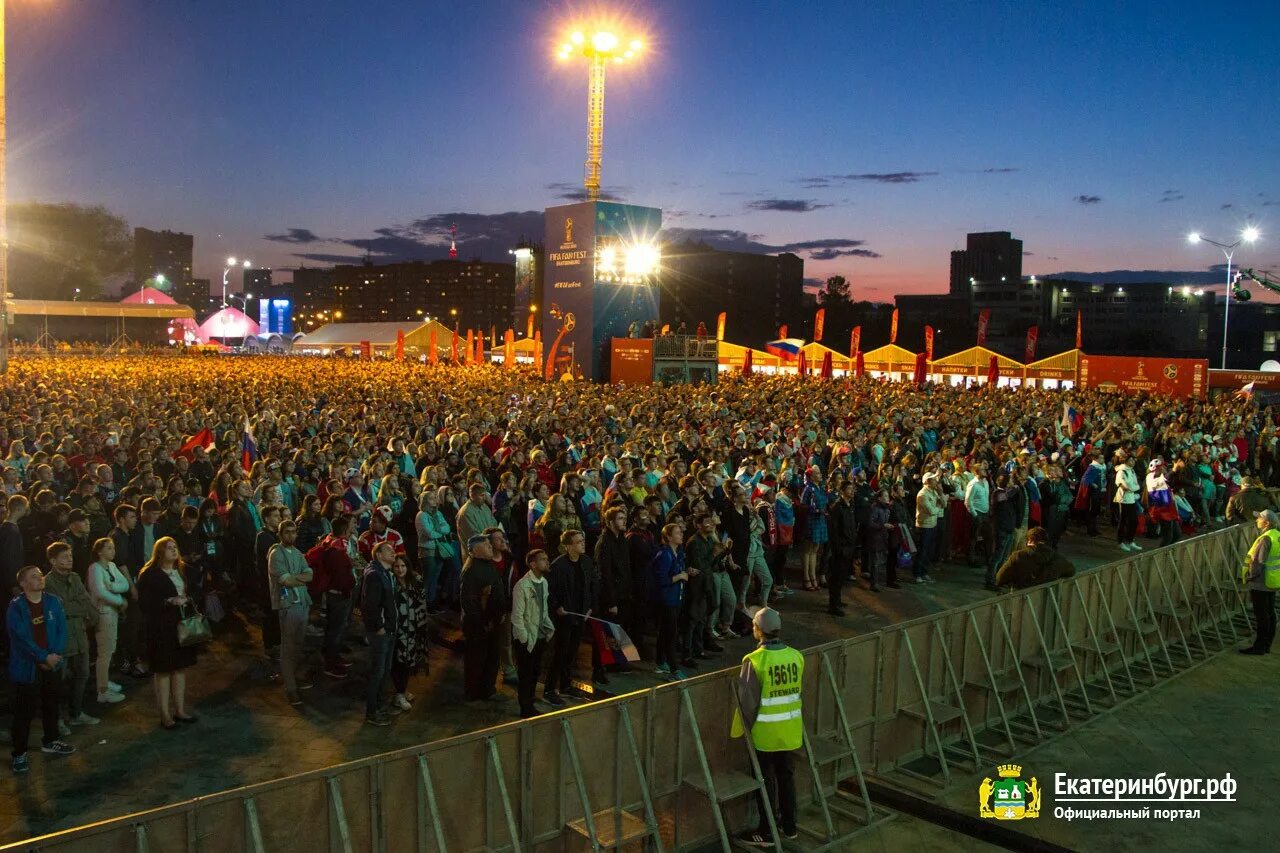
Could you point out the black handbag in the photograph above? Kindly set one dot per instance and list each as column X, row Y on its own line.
column 193, row 628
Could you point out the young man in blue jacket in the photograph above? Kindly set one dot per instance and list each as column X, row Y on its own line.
column 37, row 627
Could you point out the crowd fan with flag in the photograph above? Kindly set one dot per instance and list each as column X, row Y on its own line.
column 328, row 498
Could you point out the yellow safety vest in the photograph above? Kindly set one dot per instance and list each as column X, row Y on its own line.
column 1271, row 567
column 779, row 726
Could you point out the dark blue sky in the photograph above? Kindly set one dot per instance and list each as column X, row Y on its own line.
column 881, row 132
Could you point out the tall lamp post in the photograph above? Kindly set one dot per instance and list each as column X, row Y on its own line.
column 599, row 47
column 226, row 271
column 4, row 212
column 1248, row 235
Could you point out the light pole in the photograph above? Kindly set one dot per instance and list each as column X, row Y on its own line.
column 226, row 272
column 598, row 48
column 1248, row 235
column 4, row 212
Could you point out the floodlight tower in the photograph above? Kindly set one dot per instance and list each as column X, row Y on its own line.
column 599, row 47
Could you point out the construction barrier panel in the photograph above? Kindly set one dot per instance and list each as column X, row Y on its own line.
column 920, row 701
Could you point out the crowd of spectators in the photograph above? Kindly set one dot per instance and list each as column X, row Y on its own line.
column 361, row 503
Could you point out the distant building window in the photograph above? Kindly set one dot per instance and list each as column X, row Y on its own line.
column 1270, row 341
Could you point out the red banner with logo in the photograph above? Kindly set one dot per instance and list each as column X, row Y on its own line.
column 819, row 320
column 855, row 341
column 1079, row 329
column 366, row 350
column 984, row 319
column 1033, row 334
column 928, row 343
column 893, row 327
column 1177, row 377
column 721, row 319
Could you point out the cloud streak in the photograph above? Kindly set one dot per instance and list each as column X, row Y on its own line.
column 785, row 205
column 821, row 181
column 730, row 240
column 1088, row 199
column 573, row 192
column 296, row 236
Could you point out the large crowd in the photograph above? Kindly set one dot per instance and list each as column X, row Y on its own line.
column 365, row 503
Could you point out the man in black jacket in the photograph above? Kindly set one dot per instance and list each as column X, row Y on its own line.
column 266, row 538
column 613, row 562
column 1007, row 505
column 842, row 523
column 12, row 553
column 378, row 607
column 484, row 604
column 130, row 559
column 573, row 590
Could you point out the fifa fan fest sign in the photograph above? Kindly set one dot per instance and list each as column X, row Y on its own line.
column 602, row 276
column 1177, row 377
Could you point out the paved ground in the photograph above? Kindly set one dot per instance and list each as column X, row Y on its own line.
column 248, row 733
column 1217, row 719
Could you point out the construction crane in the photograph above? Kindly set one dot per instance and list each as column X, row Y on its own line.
column 1263, row 278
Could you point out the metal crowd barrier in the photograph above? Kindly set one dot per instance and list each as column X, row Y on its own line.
column 917, row 702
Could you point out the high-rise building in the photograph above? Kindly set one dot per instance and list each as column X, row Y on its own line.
column 990, row 258
column 475, row 294
column 257, row 281
column 759, row 292
column 193, row 293
column 166, row 253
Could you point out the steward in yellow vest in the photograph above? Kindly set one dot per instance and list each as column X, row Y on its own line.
column 1261, row 573
column 769, row 688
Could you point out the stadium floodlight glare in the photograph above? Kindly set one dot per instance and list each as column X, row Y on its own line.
column 1250, row 234
column 599, row 46
column 643, row 260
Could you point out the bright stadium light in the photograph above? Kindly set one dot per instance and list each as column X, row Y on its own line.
column 642, row 260
column 1249, row 235
column 607, row 265
column 599, row 46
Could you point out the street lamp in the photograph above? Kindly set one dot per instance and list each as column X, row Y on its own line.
column 1248, row 235
column 598, row 47
column 226, row 271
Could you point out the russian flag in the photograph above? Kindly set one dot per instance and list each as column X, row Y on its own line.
column 248, row 447
column 786, row 349
column 1072, row 420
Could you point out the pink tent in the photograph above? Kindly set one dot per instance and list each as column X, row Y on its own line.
column 230, row 322
column 149, row 296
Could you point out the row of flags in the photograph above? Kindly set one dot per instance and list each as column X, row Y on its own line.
column 855, row 337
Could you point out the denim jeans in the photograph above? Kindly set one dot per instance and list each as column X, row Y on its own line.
column 337, row 611
column 928, row 536
column 431, row 566
column 381, row 647
column 757, row 567
column 1004, row 544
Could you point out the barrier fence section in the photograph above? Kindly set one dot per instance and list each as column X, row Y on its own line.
column 917, row 702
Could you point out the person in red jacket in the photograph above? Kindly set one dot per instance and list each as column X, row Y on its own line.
column 380, row 531
column 333, row 576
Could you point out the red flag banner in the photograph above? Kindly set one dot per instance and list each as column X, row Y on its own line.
column 470, row 352
column 860, row 366
column 819, row 320
column 366, row 350
column 782, row 331
column 893, row 328
column 1033, row 335
column 928, row 343
column 1079, row 330
column 454, row 346
column 509, row 348
column 746, row 364
column 828, row 367
column 720, row 324
column 432, row 355
column 984, row 319
column 993, row 371
column 803, row 369
column 529, row 327
column 855, row 342
column 400, row 345
column 919, row 377
column 204, row 438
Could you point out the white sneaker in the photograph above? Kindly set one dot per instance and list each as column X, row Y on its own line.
column 84, row 720
column 921, row 580
column 63, row 729
column 402, row 703
column 1134, row 546
column 114, row 688
column 1124, row 546
column 110, row 698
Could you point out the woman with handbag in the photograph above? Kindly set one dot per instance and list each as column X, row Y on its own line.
column 162, row 589
column 435, row 545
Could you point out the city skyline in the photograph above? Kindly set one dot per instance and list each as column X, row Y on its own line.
column 868, row 140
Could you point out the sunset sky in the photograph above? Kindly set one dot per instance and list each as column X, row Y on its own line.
column 874, row 135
